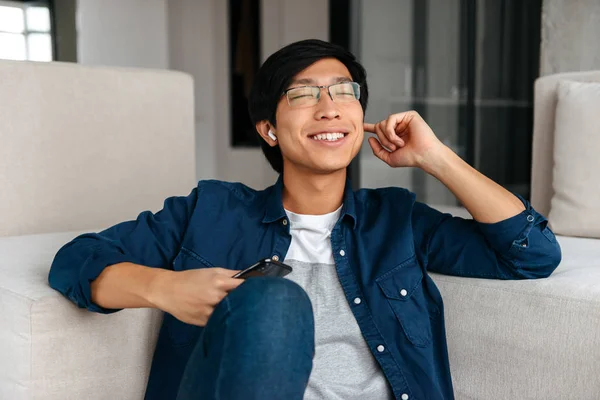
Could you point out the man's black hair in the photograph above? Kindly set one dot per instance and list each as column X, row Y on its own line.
column 276, row 74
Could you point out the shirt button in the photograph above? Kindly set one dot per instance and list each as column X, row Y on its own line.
column 530, row 218
column 380, row 348
column 404, row 396
column 357, row 300
column 284, row 222
column 342, row 253
column 403, row 292
column 275, row 257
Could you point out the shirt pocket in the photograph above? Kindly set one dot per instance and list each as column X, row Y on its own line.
column 407, row 296
column 182, row 334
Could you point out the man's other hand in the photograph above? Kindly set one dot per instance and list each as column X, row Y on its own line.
column 191, row 296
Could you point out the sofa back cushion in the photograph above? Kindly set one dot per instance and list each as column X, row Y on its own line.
column 86, row 147
column 575, row 204
column 542, row 158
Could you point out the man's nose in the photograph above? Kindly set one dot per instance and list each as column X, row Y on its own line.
column 326, row 107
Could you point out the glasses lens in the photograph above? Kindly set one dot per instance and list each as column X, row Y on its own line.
column 303, row 96
column 345, row 92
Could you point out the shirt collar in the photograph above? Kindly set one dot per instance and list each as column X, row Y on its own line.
column 274, row 210
column 274, row 205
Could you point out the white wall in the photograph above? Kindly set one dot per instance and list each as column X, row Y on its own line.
column 287, row 21
column 192, row 49
column 129, row 33
column 570, row 35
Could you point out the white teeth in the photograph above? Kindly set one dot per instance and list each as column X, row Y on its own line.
column 332, row 137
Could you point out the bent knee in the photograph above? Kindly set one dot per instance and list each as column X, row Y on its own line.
column 270, row 293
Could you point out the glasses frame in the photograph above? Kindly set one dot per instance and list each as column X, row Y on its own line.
column 355, row 85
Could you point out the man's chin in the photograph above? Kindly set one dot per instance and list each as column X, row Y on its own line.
column 322, row 167
column 330, row 169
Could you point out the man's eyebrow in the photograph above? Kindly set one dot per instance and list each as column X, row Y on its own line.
column 308, row 81
column 304, row 81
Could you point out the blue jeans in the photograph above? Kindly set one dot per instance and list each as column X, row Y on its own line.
column 257, row 344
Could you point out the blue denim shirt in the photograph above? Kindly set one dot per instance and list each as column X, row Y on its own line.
column 383, row 244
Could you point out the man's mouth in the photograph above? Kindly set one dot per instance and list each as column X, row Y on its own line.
column 328, row 137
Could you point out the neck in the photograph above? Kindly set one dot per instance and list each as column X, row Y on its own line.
column 313, row 194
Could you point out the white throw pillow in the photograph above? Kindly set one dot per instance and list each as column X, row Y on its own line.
column 575, row 206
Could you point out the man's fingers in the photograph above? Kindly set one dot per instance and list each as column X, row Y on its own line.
column 379, row 127
column 224, row 279
column 369, row 127
column 394, row 137
column 389, row 130
column 382, row 129
column 231, row 283
column 379, row 151
column 224, row 271
column 222, row 288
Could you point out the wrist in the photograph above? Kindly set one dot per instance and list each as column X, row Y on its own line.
column 438, row 161
column 158, row 290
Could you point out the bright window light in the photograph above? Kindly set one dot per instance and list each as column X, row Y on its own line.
column 12, row 19
column 38, row 19
column 12, row 46
column 39, row 46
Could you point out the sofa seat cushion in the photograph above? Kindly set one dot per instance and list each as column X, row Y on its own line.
column 53, row 350
column 530, row 339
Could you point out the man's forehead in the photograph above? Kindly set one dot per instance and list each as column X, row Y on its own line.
column 321, row 80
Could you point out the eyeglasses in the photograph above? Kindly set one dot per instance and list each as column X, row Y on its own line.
column 304, row 96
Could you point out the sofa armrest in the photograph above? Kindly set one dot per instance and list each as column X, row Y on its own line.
column 53, row 350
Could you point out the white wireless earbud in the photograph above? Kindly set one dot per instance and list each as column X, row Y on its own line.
column 272, row 135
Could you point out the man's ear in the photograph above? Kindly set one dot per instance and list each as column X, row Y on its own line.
column 263, row 128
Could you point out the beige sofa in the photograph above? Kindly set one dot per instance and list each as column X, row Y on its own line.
column 83, row 148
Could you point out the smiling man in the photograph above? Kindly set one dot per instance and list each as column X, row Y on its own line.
column 359, row 317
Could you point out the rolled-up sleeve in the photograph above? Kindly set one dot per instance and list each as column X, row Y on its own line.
column 520, row 247
column 152, row 240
